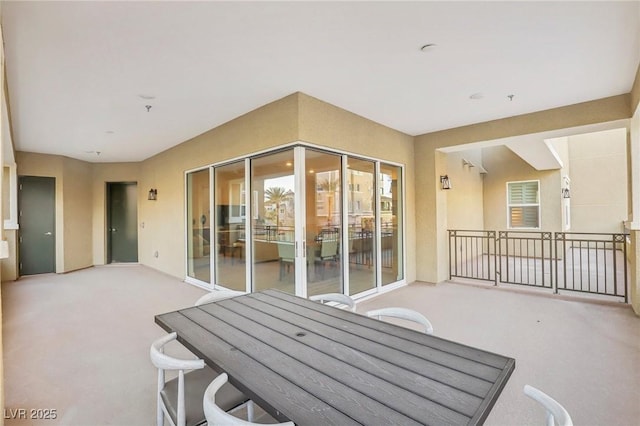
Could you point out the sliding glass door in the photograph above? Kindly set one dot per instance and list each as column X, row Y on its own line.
column 302, row 220
column 323, row 207
column 230, row 219
column 361, row 201
column 198, row 226
column 391, row 224
column 274, row 247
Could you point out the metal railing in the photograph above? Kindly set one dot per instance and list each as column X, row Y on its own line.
column 525, row 258
column 592, row 263
column 472, row 254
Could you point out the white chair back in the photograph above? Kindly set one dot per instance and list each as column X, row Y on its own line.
column 164, row 362
column 556, row 413
column 341, row 299
column 405, row 314
column 215, row 415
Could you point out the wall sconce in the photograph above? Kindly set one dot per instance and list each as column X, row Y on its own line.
column 153, row 194
column 445, row 183
column 566, row 193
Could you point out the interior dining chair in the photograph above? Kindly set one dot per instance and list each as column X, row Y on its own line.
column 342, row 299
column 216, row 415
column 328, row 255
column 216, row 295
column 556, row 413
column 179, row 398
column 405, row 314
column 287, row 256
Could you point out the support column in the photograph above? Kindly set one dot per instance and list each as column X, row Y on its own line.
column 634, row 216
column 431, row 215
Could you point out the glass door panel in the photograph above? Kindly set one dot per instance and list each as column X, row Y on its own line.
column 273, row 222
column 230, row 202
column 361, row 199
column 198, row 226
column 323, row 206
column 391, row 223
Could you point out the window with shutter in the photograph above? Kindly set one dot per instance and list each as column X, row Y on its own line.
column 523, row 202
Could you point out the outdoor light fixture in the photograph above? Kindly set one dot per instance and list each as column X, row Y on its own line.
column 565, row 187
column 153, row 194
column 445, row 183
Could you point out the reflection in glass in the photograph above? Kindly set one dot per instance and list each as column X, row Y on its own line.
column 361, row 199
column 198, row 226
column 323, row 222
column 272, row 221
column 391, row 223
column 230, row 226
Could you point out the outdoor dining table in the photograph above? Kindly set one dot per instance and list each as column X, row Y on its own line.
column 315, row 364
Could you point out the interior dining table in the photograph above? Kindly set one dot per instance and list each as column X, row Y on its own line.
column 316, row 364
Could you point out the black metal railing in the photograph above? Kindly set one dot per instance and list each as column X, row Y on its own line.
column 525, row 258
column 592, row 263
column 472, row 254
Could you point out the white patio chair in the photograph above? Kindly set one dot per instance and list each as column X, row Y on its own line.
column 179, row 398
column 214, row 412
column 216, row 295
column 556, row 413
column 405, row 314
column 341, row 299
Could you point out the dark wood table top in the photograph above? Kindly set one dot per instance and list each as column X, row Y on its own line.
column 315, row 364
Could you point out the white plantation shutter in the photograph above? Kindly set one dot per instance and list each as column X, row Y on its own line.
column 524, row 204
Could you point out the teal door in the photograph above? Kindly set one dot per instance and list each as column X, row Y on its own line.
column 122, row 222
column 37, row 220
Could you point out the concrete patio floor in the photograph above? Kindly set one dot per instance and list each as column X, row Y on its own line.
column 79, row 343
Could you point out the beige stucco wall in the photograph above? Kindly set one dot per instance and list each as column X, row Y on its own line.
column 164, row 231
column 431, row 219
column 4, row 196
column 101, row 174
column 9, row 266
column 73, row 205
column 598, row 181
column 464, row 201
column 76, row 221
column 634, row 258
column 297, row 117
column 32, row 164
column 561, row 147
column 505, row 166
column 324, row 124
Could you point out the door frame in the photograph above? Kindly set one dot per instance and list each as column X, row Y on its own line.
column 300, row 219
column 108, row 256
column 55, row 224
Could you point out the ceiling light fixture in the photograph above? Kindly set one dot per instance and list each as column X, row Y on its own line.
column 510, row 97
column 148, row 107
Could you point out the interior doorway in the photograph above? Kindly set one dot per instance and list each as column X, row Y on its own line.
column 37, row 220
column 122, row 222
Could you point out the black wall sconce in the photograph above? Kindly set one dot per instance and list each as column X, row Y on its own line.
column 153, row 194
column 566, row 193
column 445, row 183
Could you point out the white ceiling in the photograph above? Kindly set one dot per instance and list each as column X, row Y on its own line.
column 76, row 70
